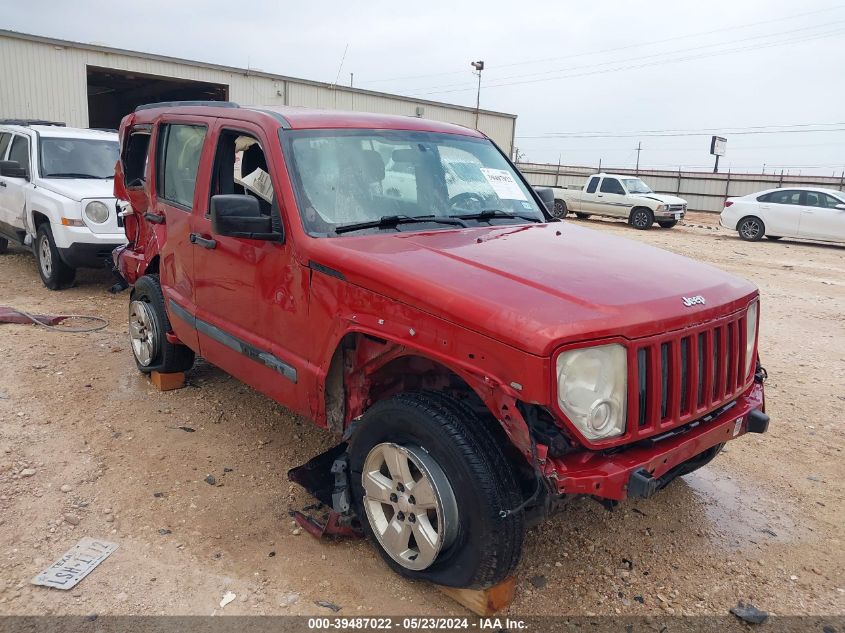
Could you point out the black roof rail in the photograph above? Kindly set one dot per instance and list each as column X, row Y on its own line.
column 28, row 122
column 176, row 104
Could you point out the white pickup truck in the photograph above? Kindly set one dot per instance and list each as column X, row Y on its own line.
column 56, row 196
column 619, row 196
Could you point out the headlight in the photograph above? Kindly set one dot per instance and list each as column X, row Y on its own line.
column 750, row 335
column 97, row 212
column 592, row 387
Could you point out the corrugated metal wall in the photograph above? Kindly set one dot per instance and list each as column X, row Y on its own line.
column 42, row 78
column 702, row 191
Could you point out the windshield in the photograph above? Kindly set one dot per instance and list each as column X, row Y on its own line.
column 635, row 185
column 77, row 157
column 347, row 177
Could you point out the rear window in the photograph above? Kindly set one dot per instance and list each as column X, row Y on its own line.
column 591, row 186
column 781, row 197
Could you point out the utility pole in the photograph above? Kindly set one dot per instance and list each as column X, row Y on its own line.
column 351, row 79
column 479, row 66
column 639, row 148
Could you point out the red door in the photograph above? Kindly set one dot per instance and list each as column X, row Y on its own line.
column 250, row 300
column 181, row 152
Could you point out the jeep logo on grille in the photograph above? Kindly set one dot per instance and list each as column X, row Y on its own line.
column 691, row 301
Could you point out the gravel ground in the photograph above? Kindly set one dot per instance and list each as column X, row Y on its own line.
column 89, row 448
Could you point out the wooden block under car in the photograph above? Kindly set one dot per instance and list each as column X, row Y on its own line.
column 484, row 602
column 168, row 382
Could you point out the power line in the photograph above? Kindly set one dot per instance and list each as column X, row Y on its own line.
column 682, row 134
column 671, row 133
column 618, row 48
column 637, row 66
column 523, row 76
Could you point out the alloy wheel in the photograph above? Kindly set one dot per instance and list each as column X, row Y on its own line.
column 143, row 332
column 750, row 229
column 45, row 256
column 409, row 504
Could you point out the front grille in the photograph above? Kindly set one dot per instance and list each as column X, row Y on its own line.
column 677, row 207
column 681, row 376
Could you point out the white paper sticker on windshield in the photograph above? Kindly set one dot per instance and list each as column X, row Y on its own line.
column 503, row 184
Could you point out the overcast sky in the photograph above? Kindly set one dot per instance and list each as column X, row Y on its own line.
column 569, row 67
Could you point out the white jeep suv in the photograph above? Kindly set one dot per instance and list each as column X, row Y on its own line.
column 56, row 195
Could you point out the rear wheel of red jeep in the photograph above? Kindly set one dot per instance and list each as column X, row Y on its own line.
column 148, row 326
column 430, row 484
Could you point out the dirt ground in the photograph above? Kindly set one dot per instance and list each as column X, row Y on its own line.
column 762, row 523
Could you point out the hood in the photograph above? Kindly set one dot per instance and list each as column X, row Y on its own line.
column 660, row 197
column 535, row 287
column 79, row 188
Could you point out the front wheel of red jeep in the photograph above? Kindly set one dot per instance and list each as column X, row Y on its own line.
column 434, row 491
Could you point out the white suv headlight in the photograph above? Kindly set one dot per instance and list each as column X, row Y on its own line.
column 750, row 335
column 592, row 389
column 97, row 212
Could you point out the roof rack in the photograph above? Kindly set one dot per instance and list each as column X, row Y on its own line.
column 28, row 122
column 175, row 104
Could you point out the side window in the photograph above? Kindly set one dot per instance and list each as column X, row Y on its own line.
column 20, row 151
column 5, row 137
column 135, row 158
column 591, row 186
column 611, row 185
column 766, row 197
column 829, row 201
column 241, row 167
column 785, row 197
column 180, row 147
column 813, row 199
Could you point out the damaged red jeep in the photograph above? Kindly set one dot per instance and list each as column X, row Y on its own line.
column 398, row 282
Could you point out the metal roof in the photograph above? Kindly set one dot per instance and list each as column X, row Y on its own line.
column 232, row 69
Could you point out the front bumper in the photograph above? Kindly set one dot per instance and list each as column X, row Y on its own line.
column 88, row 255
column 611, row 475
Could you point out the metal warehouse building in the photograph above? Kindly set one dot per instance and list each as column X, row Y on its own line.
column 85, row 85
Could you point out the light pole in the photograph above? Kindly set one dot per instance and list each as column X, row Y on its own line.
column 479, row 66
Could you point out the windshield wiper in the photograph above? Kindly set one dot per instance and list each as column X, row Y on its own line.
column 392, row 221
column 74, row 175
column 489, row 214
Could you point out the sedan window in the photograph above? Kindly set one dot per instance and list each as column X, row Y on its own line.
column 784, row 197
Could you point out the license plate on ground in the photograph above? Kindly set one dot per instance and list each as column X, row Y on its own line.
column 76, row 563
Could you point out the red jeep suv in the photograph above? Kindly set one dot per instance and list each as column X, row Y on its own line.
column 398, row 282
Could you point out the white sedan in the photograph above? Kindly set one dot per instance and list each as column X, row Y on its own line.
column 813, row 214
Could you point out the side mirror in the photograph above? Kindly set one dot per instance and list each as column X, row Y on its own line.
column 841, row 207
column 547, row 196
column 12, row 169
column 239, row 215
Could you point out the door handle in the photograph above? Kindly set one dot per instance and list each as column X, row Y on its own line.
column 599, row 196
column 199, row 240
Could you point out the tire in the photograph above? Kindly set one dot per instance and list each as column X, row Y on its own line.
column 774, row 238
column 666, row 224
column 55, row 274
column 148, row 325
column 641, row 218
column 582, row 216
column 473, row 482
column 751, row 229
column 4, row 244
column 559, row 210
